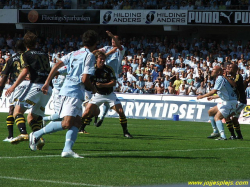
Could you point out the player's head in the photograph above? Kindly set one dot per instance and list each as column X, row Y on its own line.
column 233, row 68
column 100, row 58
column 20, row 45
column 89, row 38
column 30, row 40
column 217, row 70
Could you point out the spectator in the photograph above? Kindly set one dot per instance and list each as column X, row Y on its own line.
column 124, row 87
column 130, row 75
column 177, row 83
column 248, row 90
column 171, row 89
column 182, row 90
column 149, row 86
column 201, row 90
column 140, row 84
column 192, row 89
column 154, row 73
column 134, row 65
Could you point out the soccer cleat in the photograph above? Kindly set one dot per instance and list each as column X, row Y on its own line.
column 70, row 154
column 33, row 142
column 99, row 123
column 8, row 139
column 214, row 135
column 220, row 138
column 40, row 144
column 20, row 138
column 239, row 137
column 232, row 138
column 83, row 132
column 128, row 135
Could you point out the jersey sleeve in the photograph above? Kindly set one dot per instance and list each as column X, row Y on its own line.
column 63, row 70
column 219, row 83
column 66, row 59
column 104, row 49
column 23, row 60
column 89, row 67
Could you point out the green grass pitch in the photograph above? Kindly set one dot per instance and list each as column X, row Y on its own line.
column 161, row 153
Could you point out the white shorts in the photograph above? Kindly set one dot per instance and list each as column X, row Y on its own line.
column 227, row 107
column 70, row 107
column 34, row 98
column 19, row 91
column 88, row 95
column 99, row 99
column 56, row 100
column 238, row 110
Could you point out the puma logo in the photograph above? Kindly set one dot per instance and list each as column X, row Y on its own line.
column 226, row 16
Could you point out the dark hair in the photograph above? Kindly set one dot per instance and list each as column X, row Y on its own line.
column 30, row 39
column 20, row 45
column 89, row 38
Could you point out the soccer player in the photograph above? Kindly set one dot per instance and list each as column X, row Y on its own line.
column 11, row 70
column 114, row 58
column 35, row 63
column 104, row 80
column 80, row 65
column 57, row 82
column 236, row 80
column 223, row 109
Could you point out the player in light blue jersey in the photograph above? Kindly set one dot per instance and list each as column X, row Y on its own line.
column 114, row 58
column 57, row 83
column 223, row 109
column 80, row 65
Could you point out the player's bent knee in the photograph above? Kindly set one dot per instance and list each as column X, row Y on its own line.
column 66, row 123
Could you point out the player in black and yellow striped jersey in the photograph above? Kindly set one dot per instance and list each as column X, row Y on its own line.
column 104, row 80
column 236, row 80
column 11, row 70
column 36, row 63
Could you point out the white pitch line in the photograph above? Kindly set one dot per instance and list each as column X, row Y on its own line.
column 130, row 152
column 51, row 181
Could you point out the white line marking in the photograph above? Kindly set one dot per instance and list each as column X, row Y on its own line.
column 51, row 181
column 130, row 152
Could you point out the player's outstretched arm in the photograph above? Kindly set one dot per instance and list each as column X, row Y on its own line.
column 212, row 92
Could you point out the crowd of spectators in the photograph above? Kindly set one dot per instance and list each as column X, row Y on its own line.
column 155, row 65
column 35, row 4
column 170, row 4
column 128, row 4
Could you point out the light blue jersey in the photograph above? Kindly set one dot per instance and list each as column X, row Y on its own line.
column 78, row 63
column 225, row 90
column 115, row 59
column 58, row 82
